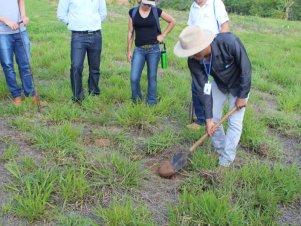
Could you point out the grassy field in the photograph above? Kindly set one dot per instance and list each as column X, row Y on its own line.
column 95, row 164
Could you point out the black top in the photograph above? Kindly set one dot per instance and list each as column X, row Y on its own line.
column 231, row 70
column 145, row 28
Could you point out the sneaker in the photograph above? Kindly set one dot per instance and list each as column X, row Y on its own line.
column 194, row 126
column 41, row 103
column 17, row 101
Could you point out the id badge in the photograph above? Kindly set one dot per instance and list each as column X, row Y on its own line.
column 207, row 89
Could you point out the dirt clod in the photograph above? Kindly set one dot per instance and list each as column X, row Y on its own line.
column 102, row 142
column 166, row 170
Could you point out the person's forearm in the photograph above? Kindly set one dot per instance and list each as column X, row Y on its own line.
column 169, row 28
column 22, row 8
column 130, row 41
column 2, row 19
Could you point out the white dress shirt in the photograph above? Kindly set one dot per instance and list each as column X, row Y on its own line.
column 82, row 15
column 204, row 17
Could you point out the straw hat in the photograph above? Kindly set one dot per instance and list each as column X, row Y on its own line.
column 192, row 40
column 149, row 2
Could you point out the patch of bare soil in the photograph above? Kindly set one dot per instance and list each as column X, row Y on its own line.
column 157, row 192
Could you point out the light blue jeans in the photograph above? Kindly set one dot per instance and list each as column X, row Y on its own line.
column 11, row 46
column 151, row 56
column 226, row 144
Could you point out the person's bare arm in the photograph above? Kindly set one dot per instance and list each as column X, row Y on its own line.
column 171, row 23
column 13, row 25
column 24, row 18
column 130, row 39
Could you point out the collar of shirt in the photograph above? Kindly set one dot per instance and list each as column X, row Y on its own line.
column 196, row 5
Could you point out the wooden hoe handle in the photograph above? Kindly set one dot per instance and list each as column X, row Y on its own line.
column 201, row 140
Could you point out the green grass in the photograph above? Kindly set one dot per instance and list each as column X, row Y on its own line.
column 73, row 185
column 59, row 142
column 250, row 195
column 32, row 191
column 124, row 212
column 64, row 181
column 116, row 171
column 74, row 219
column 160, row 141
column 9, row 152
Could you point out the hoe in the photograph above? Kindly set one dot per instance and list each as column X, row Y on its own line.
column 179, row 160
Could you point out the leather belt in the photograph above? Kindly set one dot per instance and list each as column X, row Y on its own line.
column 86, row 32
column 146, row 46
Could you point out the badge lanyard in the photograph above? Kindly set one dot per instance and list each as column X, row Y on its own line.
column 207, row 87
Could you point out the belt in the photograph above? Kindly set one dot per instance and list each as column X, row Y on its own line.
column 86, row 32
column 147, row 46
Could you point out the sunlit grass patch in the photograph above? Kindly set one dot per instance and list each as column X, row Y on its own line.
column 160, row 141
column 138, row 116
column 22, row 123
column 60, row 141
column 205, row 208
column 125, row 212
column 60, row 113
column 203, row 159
column 255, row 137
column 74, row 219
column 57, row 90
column 258, row 188
column 290, row 101
column 73, row 184
column 10, row 152
column 31, row 191
column 116, row 171
column 122, row 141
column 287, row 123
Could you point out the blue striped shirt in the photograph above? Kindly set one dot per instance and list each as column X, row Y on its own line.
column 82, row 15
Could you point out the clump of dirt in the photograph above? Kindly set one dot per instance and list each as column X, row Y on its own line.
column 102, row 142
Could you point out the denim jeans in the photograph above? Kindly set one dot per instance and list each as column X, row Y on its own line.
column 226, row 144
column 198, row 107
column 80, row 45
column 152, row 57
column 10, row 46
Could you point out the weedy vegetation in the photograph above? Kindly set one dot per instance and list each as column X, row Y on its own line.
column 94, row 163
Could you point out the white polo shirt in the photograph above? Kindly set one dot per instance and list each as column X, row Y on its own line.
column 205, row 18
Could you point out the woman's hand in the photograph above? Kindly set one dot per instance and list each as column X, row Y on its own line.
column 160, row 38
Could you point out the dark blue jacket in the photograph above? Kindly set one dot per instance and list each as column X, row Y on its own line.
column 231, row 70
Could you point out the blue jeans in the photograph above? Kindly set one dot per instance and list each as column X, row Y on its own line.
column 80, row 45
column 198, row 107
column 10, row 46
column 152, row 57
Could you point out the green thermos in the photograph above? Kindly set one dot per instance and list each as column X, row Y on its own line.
column 163, row 57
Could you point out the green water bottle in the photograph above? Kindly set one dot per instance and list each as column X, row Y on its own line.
column 163, row 57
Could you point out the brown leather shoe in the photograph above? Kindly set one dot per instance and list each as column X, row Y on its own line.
column 17, row 101
column 41, row 103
